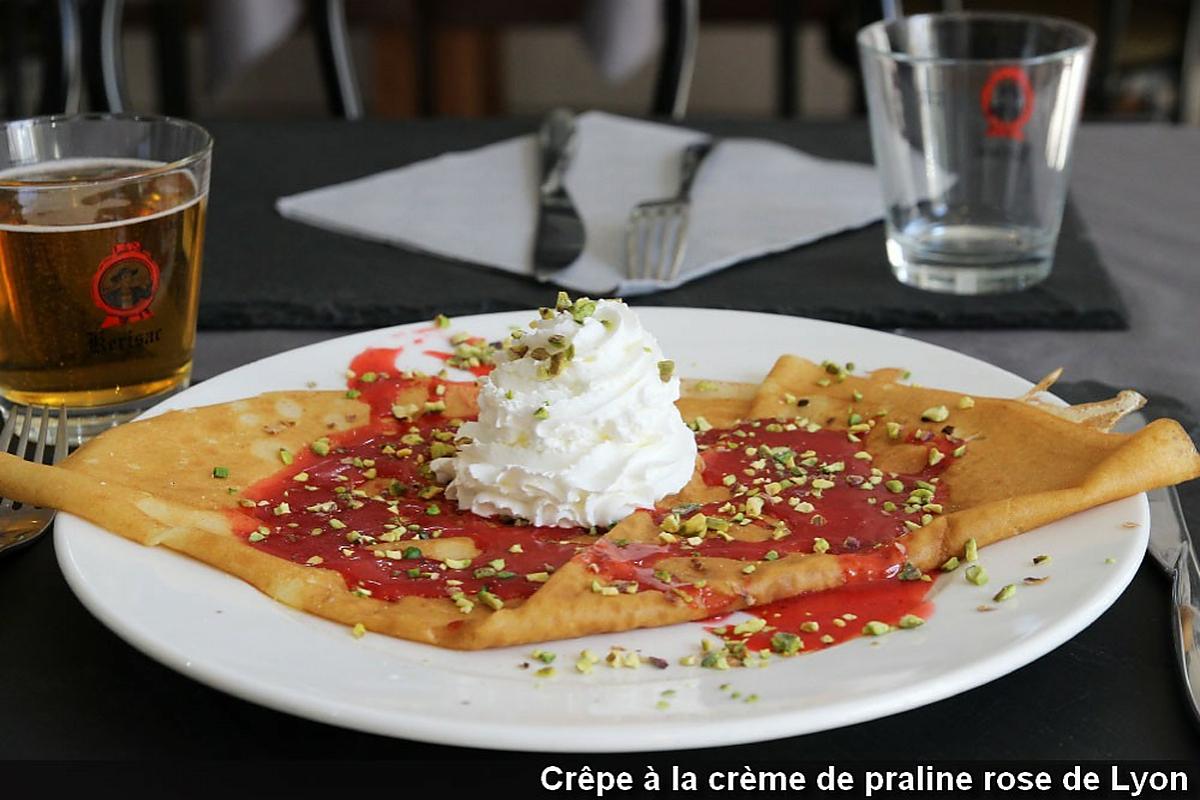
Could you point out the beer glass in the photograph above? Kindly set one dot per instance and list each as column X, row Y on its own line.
column 972, row 122
column 101, row 233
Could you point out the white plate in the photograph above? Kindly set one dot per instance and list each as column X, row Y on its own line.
column 220, row 631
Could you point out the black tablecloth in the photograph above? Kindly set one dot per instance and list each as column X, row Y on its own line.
column 69, row 689
column 263, row 271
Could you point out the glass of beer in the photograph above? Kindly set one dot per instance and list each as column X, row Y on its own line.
column 101, row 233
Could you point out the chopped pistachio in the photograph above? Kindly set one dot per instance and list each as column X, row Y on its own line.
column 977, row 575
column 820, row 545
column 286, row 456
column 542, row 413
column 537, row 577
column 490, row 600
column 971, row 550
column 441, row 450
column 1005, row 593
column 936, row 414
column 752, row 625
column 935, row 456
column 220, row 472
column 787, row 644
column 441, row 321
column 894, row 486
column 358, row 631
column 876, row 628
column 456, row 563
column 582, row 309
column 893, row 430
column 695, row 524
column 909, row 621
column 665, row 370
column 950, row 564
column 754, row 506
column 404, row 410
column 966, row 402
column 1042, row 559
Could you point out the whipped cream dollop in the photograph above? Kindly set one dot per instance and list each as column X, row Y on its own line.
column 577, row 423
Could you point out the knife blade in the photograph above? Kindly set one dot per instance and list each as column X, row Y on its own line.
column 1174, row 548
column 560, row 235
column 1177, row 552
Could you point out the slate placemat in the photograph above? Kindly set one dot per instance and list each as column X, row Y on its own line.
column 263, row 271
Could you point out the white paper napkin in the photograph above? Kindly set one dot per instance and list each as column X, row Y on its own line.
column 750, row 198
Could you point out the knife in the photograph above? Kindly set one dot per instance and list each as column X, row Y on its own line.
column 1176, row 551
column 560, row 235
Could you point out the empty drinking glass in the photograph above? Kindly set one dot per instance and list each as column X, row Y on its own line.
column 972, row 122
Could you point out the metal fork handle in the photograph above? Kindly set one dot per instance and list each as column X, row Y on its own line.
column 557, row 146
column 693, row 156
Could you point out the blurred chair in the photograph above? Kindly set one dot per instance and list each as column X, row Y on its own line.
column 337, row 65
column 84, row 51
column 49, row 35
column 441, row 57
column 677, row 63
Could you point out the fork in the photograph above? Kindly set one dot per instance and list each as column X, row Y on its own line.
column 21, row 523
column 656, row 237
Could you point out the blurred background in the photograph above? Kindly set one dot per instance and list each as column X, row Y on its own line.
column 415, row 58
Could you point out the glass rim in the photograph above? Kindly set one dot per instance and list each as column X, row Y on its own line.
column 1088, row 38
column 201, row 152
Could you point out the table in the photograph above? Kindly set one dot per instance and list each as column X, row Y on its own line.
column 70, row 689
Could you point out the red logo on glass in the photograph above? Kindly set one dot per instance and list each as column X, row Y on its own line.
column 1007, row 101
column 125, row 284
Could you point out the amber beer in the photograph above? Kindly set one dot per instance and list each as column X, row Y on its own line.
column 100, row 263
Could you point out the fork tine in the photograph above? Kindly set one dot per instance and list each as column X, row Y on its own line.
column 645, row 229
column 10, row 425
column 60, row 436
column 22, row 447
column 673, row 241
column 661, row 262
column 680, row 246
column 632, row 238
column 43, row 434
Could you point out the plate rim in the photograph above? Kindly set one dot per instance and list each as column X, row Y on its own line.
column 605, row 737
